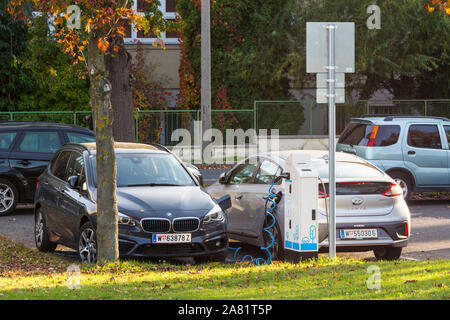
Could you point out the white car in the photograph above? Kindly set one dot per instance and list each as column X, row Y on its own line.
column 371, row 213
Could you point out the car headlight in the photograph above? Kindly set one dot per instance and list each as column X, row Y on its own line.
column 125, row 220
column 214, row 215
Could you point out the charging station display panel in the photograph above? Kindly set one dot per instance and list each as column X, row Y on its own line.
column 301, row 203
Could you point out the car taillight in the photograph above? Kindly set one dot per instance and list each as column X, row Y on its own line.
column 37, row 184
column 406, row 229
column 394, row 190
column 372, row 136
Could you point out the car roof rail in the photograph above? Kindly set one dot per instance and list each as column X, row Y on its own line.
column 392, row 117
column 31, row 123
column 375, row 115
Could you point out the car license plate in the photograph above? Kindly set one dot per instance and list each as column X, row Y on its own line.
column 172, row 238
column 359, row 233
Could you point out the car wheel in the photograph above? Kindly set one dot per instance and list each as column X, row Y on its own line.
column 87, row 244
column 41, row 235
column 277, row 249
column 404, row 181
column 8, row 197
column 388, row 253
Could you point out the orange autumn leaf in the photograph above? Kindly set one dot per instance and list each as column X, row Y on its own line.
column 102, row 44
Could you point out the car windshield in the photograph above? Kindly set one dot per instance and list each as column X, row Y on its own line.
column 147, row 169
column 348, row 170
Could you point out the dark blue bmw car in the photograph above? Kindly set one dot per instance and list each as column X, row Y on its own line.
column 163, row 210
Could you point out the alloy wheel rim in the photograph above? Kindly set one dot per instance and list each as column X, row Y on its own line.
column 39, row 229
column 87, row 246
column 6, row 197
column 402, row 185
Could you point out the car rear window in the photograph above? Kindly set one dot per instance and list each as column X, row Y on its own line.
column 361, row 134
column 349, row 170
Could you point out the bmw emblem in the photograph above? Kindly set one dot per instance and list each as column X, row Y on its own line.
column 357, row 201
column 168, row 214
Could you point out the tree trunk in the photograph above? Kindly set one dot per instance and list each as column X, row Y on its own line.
column 205, row 77
column 118, row 67
column 100, row 100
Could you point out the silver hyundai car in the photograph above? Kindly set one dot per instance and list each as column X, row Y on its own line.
column 371, row 213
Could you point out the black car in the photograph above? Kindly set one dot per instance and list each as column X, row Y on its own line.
column 25, row 151
column 163, row 211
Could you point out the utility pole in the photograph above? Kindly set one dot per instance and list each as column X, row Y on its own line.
column 205, row 73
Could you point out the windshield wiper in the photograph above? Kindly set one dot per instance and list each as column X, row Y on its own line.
column 154, row 185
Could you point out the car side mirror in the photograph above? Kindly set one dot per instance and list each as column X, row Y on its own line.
column 73, row 180
column 224, row 202
column 196, row 173
column 223, row 178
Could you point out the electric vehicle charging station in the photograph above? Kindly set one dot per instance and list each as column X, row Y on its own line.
column 300, row 207
column 330, row 50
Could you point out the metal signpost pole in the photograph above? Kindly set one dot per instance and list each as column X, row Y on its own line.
column 332, row 133
column 330, row 47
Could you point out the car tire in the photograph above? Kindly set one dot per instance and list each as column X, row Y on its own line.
column 404, row 181
column 277, row 250
column 9, row 197
column 87, row 244
column 41, row 234
column 388, row 253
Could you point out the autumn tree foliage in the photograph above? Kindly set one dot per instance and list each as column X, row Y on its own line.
column 101, row 23
column 441, row 5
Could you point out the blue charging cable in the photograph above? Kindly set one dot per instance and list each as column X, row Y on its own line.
column 248, row 259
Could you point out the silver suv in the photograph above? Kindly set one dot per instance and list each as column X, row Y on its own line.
column 414, row 151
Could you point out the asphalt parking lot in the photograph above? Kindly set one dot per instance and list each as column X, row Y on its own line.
column 430, row 232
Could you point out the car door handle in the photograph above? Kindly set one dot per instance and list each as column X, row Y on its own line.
column 239, row 197
column 411, row 152
column 24, row 162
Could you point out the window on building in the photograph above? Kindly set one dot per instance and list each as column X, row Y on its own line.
column 168, row 8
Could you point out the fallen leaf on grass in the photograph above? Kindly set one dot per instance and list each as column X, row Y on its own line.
column 410, row 281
